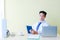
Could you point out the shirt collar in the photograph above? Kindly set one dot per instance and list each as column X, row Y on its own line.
column 42, row 21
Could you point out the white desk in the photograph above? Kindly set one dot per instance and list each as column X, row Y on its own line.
column 50, row 38
column 25, row 38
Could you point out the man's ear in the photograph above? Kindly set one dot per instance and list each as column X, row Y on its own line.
column 45, row 16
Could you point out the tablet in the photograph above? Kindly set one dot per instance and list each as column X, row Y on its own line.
column 29, row 28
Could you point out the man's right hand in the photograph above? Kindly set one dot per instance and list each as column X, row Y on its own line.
column 33, row 31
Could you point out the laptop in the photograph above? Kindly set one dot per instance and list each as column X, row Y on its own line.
column 49, row 31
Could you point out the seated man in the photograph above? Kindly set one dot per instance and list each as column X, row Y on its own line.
column 37, row 28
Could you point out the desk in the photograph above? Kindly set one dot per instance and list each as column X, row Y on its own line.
column 25, row 38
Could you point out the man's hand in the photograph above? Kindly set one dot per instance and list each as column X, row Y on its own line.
column 33, row 31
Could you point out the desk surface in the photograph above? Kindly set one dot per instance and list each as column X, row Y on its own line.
column 25, row 38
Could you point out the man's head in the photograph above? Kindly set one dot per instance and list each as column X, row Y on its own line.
column 42, row 15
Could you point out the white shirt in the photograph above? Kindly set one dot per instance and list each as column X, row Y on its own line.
column 43, row 24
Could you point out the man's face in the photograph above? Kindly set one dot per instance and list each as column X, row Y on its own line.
column 42, row 16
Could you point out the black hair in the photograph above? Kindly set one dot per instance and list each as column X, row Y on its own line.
column 43, row 13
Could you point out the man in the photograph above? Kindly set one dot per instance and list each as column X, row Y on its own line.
column 37, row 28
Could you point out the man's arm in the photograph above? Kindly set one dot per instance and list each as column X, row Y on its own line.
column 33, row 31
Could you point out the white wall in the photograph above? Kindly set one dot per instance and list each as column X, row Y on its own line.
column 19, row 13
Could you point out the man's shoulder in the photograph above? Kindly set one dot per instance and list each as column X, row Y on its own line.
column 45, row 23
